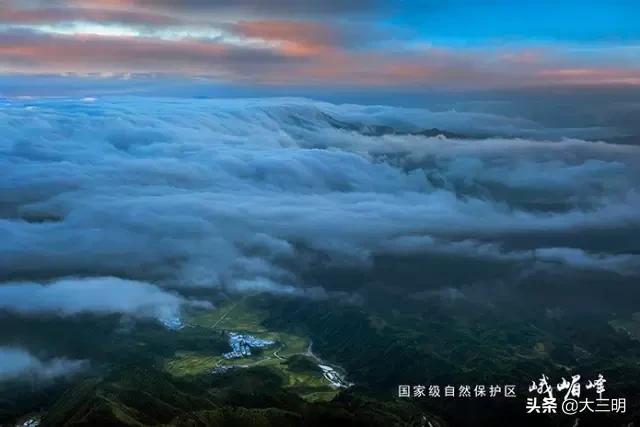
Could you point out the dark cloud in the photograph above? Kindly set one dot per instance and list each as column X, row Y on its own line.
column 262, row 8
column 223, row 8
column 44, row 15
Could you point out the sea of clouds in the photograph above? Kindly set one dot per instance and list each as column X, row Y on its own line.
column 116, row 205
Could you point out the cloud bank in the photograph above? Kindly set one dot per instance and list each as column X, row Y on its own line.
column 253, row 195
column 99, row 295
column 18, row 363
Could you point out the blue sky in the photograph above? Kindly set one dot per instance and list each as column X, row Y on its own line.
column 481, row 21
column 365, row 44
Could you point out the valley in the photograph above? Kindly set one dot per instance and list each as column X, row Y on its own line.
column 315, row 380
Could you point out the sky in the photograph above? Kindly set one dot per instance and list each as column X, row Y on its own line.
column 326, row 44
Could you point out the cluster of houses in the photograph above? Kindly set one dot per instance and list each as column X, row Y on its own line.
column 241, row 345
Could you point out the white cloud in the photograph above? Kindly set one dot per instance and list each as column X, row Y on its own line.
column 101, row 295
column 17, row 363
column 545, row 257
column 221, row 192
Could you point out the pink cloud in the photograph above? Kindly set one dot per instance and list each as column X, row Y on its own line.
column 591, row 76
column 295, row 52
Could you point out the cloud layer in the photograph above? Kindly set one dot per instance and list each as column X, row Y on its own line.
column 249, row 195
